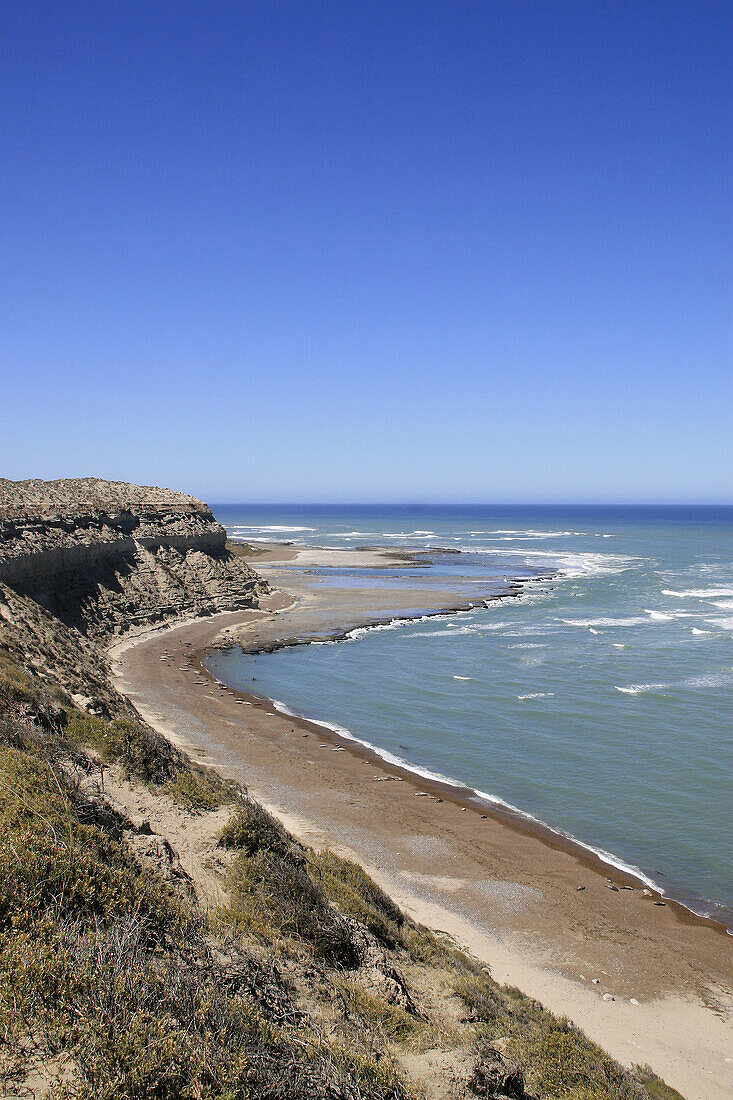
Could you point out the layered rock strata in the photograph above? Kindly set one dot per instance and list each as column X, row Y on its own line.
column 107, row 557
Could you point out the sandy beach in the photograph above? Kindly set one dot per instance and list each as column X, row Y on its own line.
column 650, row 982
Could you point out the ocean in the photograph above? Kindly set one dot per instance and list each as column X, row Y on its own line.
column 599, row 702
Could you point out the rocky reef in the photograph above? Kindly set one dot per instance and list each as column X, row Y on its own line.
column 108, row 557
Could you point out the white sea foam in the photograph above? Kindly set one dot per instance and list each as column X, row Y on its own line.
column 699, row 593
column 721, row 623
column 463, row 677
column 383, row 754
column 393, row 624
column 408, row 535
column 607, row 857
column 375, row 628
column 643, row 689
column 250, row 538
column 479, row 797
column 614, row 861
column 452, row 632
column 635, row 620
column 351, row 535
column 536, row 695
column 592, row 630
column 707, row 680
column 705, row 595
column 516, row 538
column 269, row 527
column 532, row 534
column 572, row 565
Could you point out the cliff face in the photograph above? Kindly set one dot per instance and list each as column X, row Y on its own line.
column 107, row 557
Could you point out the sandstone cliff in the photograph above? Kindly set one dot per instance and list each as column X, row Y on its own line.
column 107, row 557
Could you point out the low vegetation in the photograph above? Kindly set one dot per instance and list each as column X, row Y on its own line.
column 116, row 986
column 389, row 1021
column 144, row 754
column 351, row 889
column 308, row 982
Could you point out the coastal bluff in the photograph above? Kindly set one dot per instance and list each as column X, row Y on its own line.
column 108, row 557
column 84, row 562
column 161, row 933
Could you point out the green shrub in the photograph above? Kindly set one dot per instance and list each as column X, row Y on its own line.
column 251, row 828
column 104, row 967
column 557, row 1059
column 390, row 1020
column 199, row 790
column 22, row 696
column 423, row 946
column 275, row 895
column 142, row 752
column 118, row 981
column 50, row 862
column 379, row 1080
column 145, row 755
column 560, row 1061
column 351, row 889
column 485, row 1001
column 136, row 1024
column 654, row 1087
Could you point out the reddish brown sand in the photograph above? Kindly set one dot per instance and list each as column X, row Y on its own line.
column 507, row 891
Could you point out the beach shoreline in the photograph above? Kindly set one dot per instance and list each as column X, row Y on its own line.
column 661, row 969
column 378, row 557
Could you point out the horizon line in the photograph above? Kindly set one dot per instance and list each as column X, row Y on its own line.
column 469, row 504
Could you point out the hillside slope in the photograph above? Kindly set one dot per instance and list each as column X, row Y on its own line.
column 160, row 934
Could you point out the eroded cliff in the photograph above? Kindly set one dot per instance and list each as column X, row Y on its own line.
column 108, row 557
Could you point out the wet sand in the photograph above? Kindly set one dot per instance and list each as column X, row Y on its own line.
column 502, row 887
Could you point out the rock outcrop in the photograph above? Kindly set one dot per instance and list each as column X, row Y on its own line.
column 60, row 656
column 107, row 557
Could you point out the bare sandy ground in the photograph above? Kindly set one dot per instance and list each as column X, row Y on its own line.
column 651, row 983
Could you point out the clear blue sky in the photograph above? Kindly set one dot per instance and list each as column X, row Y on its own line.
column 359, row 250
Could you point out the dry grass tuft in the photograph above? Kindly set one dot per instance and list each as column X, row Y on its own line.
column 351, row 889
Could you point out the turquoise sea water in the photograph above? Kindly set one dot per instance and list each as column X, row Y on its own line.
column 600, row 701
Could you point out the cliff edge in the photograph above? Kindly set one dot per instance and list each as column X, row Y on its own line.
column 108, row 557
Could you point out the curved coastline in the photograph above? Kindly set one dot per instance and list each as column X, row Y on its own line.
column 688, row 904
column 664, row 980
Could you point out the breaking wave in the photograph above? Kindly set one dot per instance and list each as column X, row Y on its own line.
column 699, row 593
